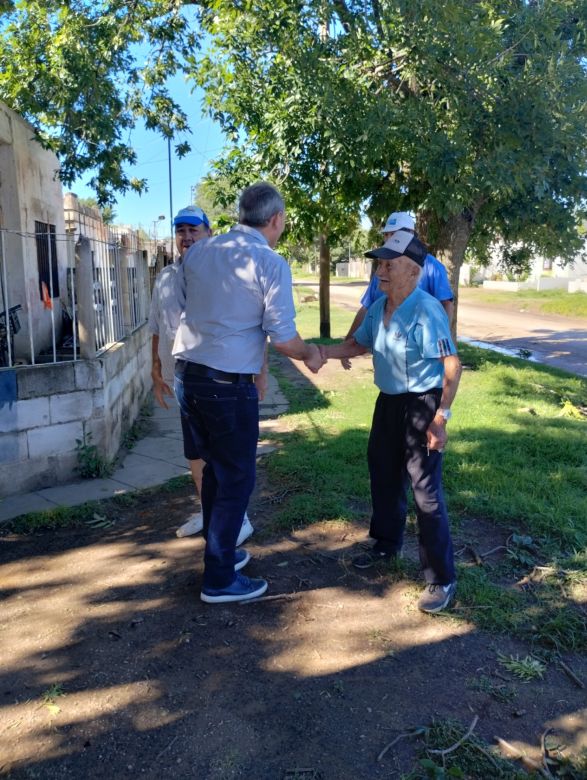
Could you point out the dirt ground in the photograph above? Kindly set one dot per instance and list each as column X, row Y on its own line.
column 112, row 666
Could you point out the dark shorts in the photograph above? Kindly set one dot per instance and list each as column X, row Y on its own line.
column 190, row 449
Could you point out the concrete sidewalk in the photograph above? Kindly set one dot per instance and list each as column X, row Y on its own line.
column 152, row 461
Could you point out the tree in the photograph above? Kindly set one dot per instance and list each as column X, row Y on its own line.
column 84, row 73
column 217, row 198
column 471, row 112
column 107, row 213
column 474, row 114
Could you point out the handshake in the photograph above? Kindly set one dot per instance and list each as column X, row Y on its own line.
column 318, row 355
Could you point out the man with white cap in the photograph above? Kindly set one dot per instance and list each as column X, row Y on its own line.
column 191, row 225
column 434, row 278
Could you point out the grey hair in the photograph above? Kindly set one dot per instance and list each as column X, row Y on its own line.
column 258, row 203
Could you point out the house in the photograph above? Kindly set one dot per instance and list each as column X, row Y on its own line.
column 74, row 347
column 33, row 256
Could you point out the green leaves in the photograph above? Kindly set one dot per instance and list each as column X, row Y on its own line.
column 85, row 73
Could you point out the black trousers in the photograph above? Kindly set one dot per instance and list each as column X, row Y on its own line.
column 397, row 457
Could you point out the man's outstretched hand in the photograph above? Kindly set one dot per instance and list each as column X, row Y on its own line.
column 315, row 361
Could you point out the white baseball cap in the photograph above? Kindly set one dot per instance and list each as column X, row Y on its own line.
column 399, row 220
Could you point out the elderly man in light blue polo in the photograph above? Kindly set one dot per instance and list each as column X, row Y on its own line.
column 234, row 291
column 433, row 279
column 417, row 371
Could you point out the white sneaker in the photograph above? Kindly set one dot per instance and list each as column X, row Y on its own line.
column 193, row 526
column 196, row 523
column 246, row 530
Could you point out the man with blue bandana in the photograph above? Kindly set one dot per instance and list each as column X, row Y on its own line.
column 417, row 372
column 191, row 225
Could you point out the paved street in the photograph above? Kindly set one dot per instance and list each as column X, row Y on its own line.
column 553, row 340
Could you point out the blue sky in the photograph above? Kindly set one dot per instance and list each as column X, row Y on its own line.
column 206, row 141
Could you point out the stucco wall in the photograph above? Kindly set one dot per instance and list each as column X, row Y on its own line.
column 57, row 404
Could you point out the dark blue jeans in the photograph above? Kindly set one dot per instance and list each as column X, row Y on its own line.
column 223, row 418
column 397, row 457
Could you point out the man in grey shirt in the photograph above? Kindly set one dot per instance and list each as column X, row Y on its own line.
column 234, row 292
column 191, row 225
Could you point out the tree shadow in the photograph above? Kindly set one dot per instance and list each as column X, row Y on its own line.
column 111, row 664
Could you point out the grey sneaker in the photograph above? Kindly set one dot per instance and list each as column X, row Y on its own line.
column 436, row 597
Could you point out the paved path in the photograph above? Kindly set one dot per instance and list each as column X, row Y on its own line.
column 153, row 460
column 551, row 339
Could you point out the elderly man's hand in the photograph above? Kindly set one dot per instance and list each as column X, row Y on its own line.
column 161, row 389
column 346, row 362
column 315, row 360
column 436, row 436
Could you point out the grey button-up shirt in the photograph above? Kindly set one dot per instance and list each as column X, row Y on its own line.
column 234, row 291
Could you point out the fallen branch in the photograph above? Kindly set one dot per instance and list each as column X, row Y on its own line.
column 414, row 733
column 391, row 744
column 165, row 749
column 486, row 753
column 277, row 597
column 456, row 745
column 570, row 673
column 493, row 550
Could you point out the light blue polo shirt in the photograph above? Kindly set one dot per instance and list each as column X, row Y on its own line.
column 406, row 353
column 434, row 280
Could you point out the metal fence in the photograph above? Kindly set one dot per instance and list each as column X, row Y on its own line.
column 45, row 279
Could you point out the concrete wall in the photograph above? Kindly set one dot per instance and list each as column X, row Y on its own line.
column 57, row 404
column 29, row 191
column 356, row 269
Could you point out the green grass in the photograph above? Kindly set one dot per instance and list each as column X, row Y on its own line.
column 516, row 457
column 308, row 320
column 51, row 519
column 84, row 514
column 547, row 302
column 474, row 759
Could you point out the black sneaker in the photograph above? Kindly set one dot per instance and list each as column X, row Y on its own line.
column 372, row 557
column 437, row 597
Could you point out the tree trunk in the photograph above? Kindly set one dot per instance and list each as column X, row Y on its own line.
column 451, row 239
column 324, row 286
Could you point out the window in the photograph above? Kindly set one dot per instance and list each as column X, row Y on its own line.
column 47, row 258
column 547, row 264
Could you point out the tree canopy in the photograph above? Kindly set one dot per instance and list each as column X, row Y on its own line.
column 472, row 113
column 84, row 73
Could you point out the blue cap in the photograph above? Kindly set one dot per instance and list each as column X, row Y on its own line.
column 191, row 215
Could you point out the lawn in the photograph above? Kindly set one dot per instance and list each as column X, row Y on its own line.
column 547, row 302
column 516, row 460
